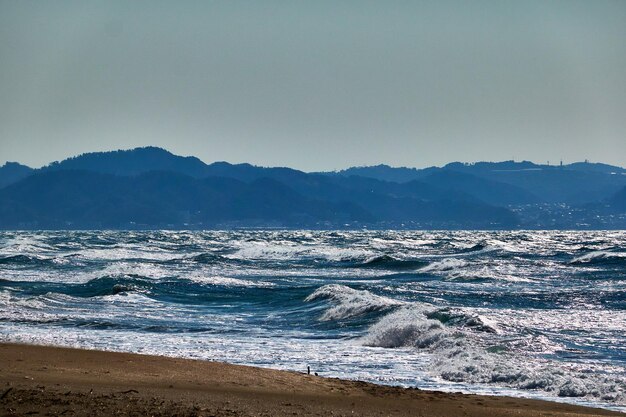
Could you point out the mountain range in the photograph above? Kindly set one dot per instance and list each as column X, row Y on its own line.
column 153, row 188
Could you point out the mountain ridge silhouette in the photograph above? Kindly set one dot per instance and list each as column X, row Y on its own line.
column 152, row 188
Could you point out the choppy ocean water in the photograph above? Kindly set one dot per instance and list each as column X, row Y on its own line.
column 535, row 314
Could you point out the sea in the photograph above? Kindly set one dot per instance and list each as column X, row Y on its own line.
column 538, row 314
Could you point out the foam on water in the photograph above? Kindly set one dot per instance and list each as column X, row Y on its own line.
column 599, row 257
column 446, row 264
column 408, row 327
column 474, row 353
column 290, row 251
column 227, row 281
column 350, row 302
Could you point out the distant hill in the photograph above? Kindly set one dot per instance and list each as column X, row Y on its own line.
column 487, row 190
column 570, row 184
column 158, row 199
column 595, row 167
column 148, row 159
column 12, row 172
column 133, row 162
column 82, row 199
column 153, row 188
column 385, row 173
column 576, row 183
column 143, row 160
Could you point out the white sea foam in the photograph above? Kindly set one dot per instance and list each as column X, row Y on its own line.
column 462, row 355
column 288, row 251
column 502, row 271
column 406, row 327
column 423, row 325
column 350, row 302
column 126, row 252
column 447, row 264
column 598, row 256
column 28, row 244
column 514, row 369
column 227, row 281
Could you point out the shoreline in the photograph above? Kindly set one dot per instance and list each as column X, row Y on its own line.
column 35, row 380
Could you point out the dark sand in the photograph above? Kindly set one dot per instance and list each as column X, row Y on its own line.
column 40, row 381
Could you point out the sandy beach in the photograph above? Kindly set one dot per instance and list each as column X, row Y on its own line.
column 40, row 380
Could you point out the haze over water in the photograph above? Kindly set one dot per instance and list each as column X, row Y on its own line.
column 539, row 314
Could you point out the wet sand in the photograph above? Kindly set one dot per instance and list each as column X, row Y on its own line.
column 50, row 381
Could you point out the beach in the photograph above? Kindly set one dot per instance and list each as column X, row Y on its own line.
column 44, row 380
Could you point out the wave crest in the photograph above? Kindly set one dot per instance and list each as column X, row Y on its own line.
column 466, row 348
column 600, row 258
column 23, row 260
column 407, row 327
column 350, row 302
column 447, row 264
column 390, row 262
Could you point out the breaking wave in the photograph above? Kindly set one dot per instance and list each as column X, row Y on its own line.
column 389, row 262
column 600, row 258
column 467, row 349
column 423, row 325
column 24, row 260
column 209, row 258
column 447, row 264
column 349, row 302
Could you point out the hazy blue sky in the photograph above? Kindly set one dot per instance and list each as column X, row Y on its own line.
column 315, row 85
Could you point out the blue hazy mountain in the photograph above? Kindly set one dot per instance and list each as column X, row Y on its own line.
column 385, row 173
column 404, row 174
column 13, row 172
column 484, row 189
column 576, row 183
column 83, row 199
column 133, row 162
column 150, row 187
column 498, row 183
column 571, row 184
column 153, row 188
column 147, row 159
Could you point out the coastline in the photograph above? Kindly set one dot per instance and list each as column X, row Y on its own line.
column 45, row 380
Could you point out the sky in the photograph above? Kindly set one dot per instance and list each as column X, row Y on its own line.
column 315, row 85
